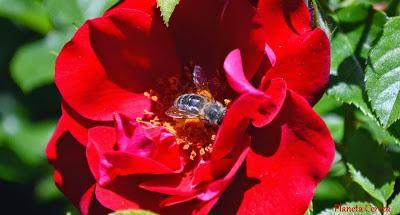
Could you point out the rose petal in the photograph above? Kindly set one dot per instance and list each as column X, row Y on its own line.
column 258, row 107
column 174, row 184
column 77, row 125
column 204, row 207
column 241, row 28
column 124, row 193
column 289, row 157
column 111, row 61
column 302, row 54
column 132, row 137
column 101, row 140
column 211, row 170
column 194, row 26
column 284, row 21
column 89, row 204
column 217, row 187
column 146, row 140
column 106, row 163
column 305, row 66
column 67, row 156
column 113, row 164
column 235, row 74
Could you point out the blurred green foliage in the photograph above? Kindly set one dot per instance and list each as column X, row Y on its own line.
column 361, row 106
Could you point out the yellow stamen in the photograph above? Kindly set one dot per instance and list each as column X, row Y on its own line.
column 193, row 154
column 154, row 98
column 227, row 102
column 213, row 137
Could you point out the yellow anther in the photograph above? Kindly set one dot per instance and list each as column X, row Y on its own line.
column 139, row 119
column 202, row 151
column 213, row 137
column 227, row 102
column 147, row 112
column 193, row 154
column 146, row 94
column 154, row 98
column 186, row 147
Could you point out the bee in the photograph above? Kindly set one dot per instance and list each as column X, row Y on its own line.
column 197, row 105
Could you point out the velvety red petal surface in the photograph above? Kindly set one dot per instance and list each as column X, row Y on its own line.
column 124, row 193
column 111, row 61
column 89, row 205
column 67, row 156
column 287, row 160
column 259, row 107
column 194, row 27
column 303, row 54
column 241, row 28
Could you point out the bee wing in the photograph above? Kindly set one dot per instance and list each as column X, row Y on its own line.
column 199, row 78
column 204, row 82
column 176, row 113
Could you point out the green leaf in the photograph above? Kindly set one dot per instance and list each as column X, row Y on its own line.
column 395, row 205
column 133, row 212
column 383, row 74
column 372, row 162
column 75, row 12
column 330, row 189
column 380, row 134
column 309, row 209
column 30, row 139
column 33, row 64
column 366, row 184
column 326, row 105
column 28, row 12
column 351, row 94
column 358, row 27
column 167, row 7
column 335, row 125
column 361, row 208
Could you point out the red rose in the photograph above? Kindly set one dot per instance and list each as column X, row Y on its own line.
column 114, row 148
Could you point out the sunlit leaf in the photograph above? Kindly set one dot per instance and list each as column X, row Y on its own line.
column 358, row 27
column 395, row 205
column 366, row 184
column 383, row 74
column 167, row 7
column 309, row 209
column 371, row 161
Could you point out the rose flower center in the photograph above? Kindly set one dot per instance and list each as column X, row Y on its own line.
column 192, row 131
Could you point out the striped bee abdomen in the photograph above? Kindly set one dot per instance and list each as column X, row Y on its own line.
column 191, row 103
